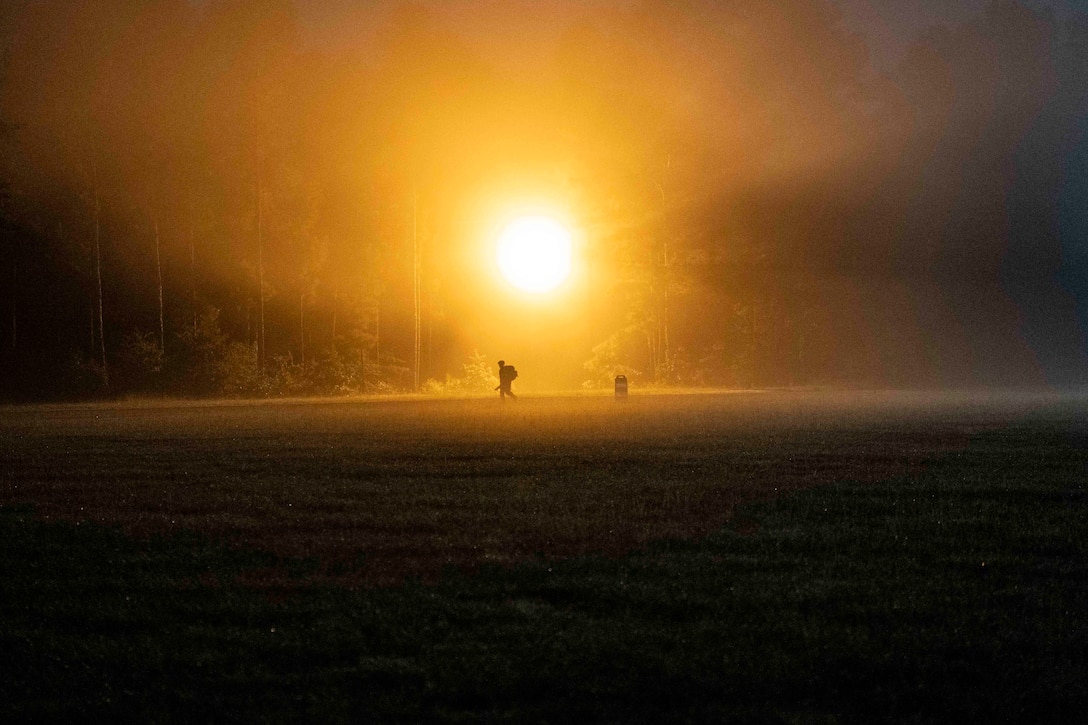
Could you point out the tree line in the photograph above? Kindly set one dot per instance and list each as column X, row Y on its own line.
column 205, row 199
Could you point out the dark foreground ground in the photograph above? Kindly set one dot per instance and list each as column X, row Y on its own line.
column 751, row 557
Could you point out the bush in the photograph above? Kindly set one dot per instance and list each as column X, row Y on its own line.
column 140, row 364
column 85, row 377
column 238, row 373
column 195, row 368
column 478, row 376
column 605, row 365
column 334, row 374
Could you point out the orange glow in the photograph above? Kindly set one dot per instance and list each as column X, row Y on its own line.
column 534, row 254
column 689, row 193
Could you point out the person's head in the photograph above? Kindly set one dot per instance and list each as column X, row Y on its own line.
column 501, row 363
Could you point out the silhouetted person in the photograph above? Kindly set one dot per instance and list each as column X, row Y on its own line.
column 507, row 373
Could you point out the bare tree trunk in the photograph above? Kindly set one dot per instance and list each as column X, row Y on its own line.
column 192, row 267
column 753, row 345
column 377, row 345
column 665, row 297
column 302, row 326
column 98, row 275
column 260, row 272
column 14, row 304
column 336, row 298
column 663, row 323
column 416, row 292
column 158, row 271
column 650, row 348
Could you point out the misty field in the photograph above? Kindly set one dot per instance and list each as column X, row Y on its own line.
column 763, row 556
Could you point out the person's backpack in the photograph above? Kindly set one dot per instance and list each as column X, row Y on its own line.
column 511, row 372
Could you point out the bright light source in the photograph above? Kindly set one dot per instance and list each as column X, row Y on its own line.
column 534, row 253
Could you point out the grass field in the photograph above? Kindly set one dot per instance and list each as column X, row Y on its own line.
column 777, row 556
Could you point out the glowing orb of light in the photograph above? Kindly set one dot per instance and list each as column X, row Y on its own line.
column 534, row 253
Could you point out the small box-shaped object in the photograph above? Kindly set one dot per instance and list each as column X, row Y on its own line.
column 621, row 386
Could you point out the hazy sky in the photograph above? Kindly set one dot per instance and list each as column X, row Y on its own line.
column 888, row 25
column 897, row 190
column 1039, row 314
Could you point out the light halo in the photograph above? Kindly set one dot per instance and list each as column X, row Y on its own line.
column 534, row 253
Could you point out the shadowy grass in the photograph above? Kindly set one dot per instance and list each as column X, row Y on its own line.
column 944, row 579
column 373, row 492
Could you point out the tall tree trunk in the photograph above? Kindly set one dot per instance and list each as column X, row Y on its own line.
column 192, row 267
column 665, row 297
column 754, row 346
column 158, row 272
column 377, row 346
column 14, row 304
column 336, row 299
column 98, row 275
column 663, row 322
column 416, row 291
column 302, row 326
column 260, row 272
